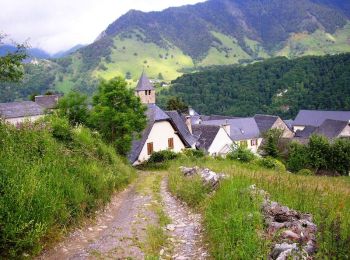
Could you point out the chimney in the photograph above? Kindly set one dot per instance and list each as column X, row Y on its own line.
column 227, row 127
column 189, row 123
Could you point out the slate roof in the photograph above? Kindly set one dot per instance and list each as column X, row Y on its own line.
column 181, row 127
column 155, row 114
column 20, row 109
column 47, row 101
column 206, row 135
column 265, row 122
column 144, row 83
column 306, row 132
column 317, row 117
column 331, row 128
column 241, row 128
column 289, row 123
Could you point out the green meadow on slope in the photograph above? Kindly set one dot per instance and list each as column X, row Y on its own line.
column 233, row 235
column 52, row 176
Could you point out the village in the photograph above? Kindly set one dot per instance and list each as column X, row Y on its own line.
column 216, row 135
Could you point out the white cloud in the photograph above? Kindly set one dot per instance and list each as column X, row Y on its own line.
column 55, row 25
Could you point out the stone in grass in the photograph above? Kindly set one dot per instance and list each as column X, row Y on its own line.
column 171, row 227
column 282, row 251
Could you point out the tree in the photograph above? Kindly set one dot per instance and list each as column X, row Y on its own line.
column 341, row 156
column 175, row 103
column 118, row 114
column 271, row 141
column 74, row 106
column 11, row 69
column 160, row 76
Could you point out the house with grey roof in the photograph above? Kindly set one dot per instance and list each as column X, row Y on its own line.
column 317, row 117
column 17, row 113
column 331, row 129
column 212, row 139
column 268, row 122
column 47, row 101
column 165, row 129
column 243, row 131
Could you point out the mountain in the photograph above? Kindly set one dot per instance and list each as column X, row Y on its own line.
column 184, row 39
column 32, row 52
column 276, row 86
column 62, row 54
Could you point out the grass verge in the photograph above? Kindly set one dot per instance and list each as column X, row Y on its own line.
column 51, row 178
column 233, row 220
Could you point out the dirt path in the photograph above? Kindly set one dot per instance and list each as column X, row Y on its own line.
column 118, row 232
column 185, row 230
column 135, row 225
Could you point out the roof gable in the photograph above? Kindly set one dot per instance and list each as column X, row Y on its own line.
column 331, row 128
column 265, row 122
column 206, row 135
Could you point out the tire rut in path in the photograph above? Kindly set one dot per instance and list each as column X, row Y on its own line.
column 185, row 230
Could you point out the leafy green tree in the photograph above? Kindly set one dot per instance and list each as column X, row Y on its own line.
column 160, row 76
column 175, row 103
column 74, row 106
column 118, row 114
column 11, row 69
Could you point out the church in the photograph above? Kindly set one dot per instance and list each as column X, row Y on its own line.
column 165, row 130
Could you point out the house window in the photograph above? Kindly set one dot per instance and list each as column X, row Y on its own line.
column 149, row 148
column 243, row 144
column 171, row 143
column 146, row 92
column 253, row 142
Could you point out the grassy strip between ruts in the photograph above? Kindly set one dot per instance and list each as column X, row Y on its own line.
column 156, row 236
column 234, row 223
column 52, row 176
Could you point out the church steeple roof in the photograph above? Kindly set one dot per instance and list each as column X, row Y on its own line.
column 144, row 83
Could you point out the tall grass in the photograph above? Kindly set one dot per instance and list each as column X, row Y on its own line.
column 326, row 198
column 48, row 184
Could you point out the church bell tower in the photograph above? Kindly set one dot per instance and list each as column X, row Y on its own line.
column 145, row 90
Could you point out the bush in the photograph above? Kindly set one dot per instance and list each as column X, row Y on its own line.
column 60, row 128
column 194, row 153
column 297, row 157
column 271, row 163
column 241, row 154
column 162, row 156
column 305, row 172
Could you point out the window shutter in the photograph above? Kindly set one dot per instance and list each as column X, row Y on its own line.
column 149, row 148
column 171, row 143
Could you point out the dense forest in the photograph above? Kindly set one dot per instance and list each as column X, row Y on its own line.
column 277, row 86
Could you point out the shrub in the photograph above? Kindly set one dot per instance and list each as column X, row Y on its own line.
column 241, row 154
column 194, row 153
column 297, row 157
column 162, row 156
column 60, row 128
column 272, row 163
column 305, row 172
column 270, row 145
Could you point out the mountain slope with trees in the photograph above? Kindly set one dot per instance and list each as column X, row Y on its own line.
column 182, row 39
column 277, row 86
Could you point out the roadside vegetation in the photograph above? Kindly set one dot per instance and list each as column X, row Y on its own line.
column 52, row 176
column 233, row 220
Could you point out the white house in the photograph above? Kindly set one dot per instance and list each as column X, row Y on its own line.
column 243, row 131
column 213, row 139
column 164, row 131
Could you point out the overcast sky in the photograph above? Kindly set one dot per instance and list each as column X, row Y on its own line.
column 55, row 25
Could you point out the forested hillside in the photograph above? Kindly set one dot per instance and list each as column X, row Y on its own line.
column 182, row 39
column 277, row 86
